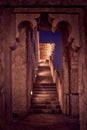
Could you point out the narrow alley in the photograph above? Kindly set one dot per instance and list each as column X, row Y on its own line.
column 45, row 110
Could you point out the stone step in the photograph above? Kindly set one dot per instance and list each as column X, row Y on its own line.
column 45, row 96
column 44, row 84
column 45, row 89
column 54, row 105
column 43, row 67
column 45, row 92
column 38, row 100
column 44, row 102
column 44, row 111
column 45, row 107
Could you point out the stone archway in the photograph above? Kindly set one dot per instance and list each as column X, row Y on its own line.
column 70, row 45
column 23, row 63
column 76, row 17
column 65, row 28
column 69, row 72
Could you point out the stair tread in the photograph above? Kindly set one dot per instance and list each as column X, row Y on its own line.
column 44, row 92
column 44, row 103
column 53, row 111
column 44, row 84
column 44, row 98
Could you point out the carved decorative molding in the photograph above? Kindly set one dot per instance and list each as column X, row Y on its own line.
column 43, row 2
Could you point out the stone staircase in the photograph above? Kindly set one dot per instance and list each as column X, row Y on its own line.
column 44, row 98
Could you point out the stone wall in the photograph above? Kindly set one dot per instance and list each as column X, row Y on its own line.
column 65, row 84
column 74, row 83
column 32, row 62
column 78, row 78
column 2, row 101
column 7, row 37
column 19, row 75
column 68, row 25
column 83, row 74
column 70, row 82
column 24, row 63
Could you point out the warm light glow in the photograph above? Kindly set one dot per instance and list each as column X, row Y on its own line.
column 46, row 50
column 41, row 61
column 31, row 93
column 43, row 73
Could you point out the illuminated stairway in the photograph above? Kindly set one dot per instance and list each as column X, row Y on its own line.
column 44, row 99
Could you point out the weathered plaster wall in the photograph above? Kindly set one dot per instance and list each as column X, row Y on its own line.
column 83, row 73
column 25, row 59
column 69, row 60
column 19, row 75
column 7, row 37
column 74, row 82
column 2, row 101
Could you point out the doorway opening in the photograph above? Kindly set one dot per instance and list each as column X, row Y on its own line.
column 50, row 47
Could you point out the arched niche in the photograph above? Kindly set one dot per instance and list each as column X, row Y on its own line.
column 26, row 17
column 65, row 29
column 72, row 21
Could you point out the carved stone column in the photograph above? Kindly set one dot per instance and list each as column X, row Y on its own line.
column 74, row 68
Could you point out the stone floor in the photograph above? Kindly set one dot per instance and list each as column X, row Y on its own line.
column 45, row 122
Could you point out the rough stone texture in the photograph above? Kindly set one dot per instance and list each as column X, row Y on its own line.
column 74, row 93
column 5, row 79
column 23, row 70
column 74, row 81
column 59, row 86
column 32, row 63
column 65, row 83
column 74, row 56
column 1, row 76
column 7, row 37
column 83, row 76
column 75, row 105
column 70, row 64
column 46, row 121
column 19, row 75
column 83, row 94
